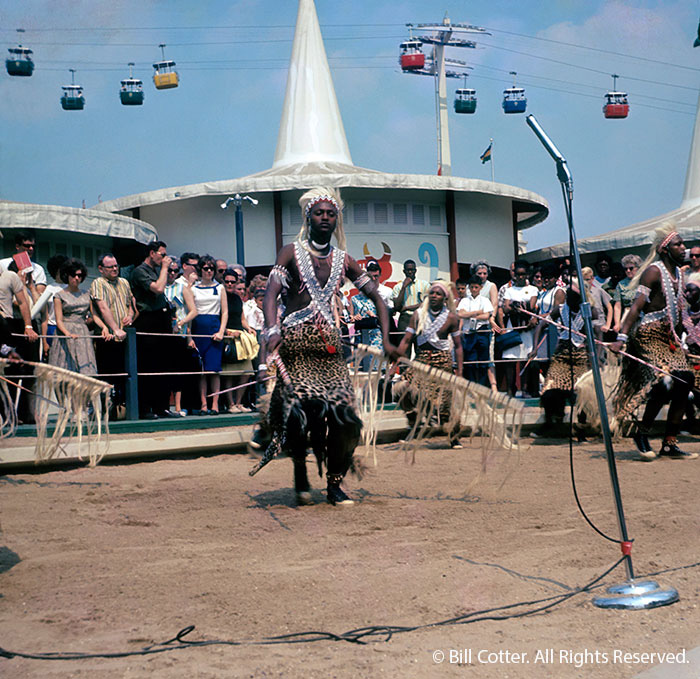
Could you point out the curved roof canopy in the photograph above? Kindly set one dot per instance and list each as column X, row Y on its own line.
column 93, row 222
column 338, row 175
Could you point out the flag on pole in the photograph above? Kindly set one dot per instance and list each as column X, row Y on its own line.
column 486, row 155
column 697, row 40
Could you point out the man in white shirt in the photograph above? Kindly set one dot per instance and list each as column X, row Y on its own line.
column 475, row 310
column 520, row 295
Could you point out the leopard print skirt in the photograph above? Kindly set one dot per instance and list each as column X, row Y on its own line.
column 313, row 358
column 418, row 383
column 655, row 344
column 565, row 357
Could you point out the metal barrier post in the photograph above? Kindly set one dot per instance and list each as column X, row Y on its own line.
column 132, row 381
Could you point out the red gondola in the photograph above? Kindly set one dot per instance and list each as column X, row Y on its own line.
column 412, row 57
column 616, row 104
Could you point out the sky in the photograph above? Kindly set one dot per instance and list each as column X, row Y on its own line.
column 232, row 57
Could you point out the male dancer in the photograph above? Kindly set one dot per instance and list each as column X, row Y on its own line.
column 313, row 401
column 435, row 328
column 656, row 341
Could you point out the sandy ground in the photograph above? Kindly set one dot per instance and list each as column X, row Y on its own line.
column 123, row 556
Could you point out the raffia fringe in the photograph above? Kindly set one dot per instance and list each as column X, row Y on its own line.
column 495, row 416
column 8, row 416
column 587, row 402
column 75, row 394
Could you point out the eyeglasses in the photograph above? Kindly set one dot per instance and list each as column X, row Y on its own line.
column 230, row 282
column 220, row 270
column 173, row 270
column 632, row 268
column 207, row 268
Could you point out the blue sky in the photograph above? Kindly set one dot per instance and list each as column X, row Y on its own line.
column 222, row 121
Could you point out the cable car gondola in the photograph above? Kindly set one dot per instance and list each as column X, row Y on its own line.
column 72, row 99
column 514, row 99
column 20, row 61
column 616, row 104
column 165, row 76
column 465, row 99
column 412, row 57
column 131, row 91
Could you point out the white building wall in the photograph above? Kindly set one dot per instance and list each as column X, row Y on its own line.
column 388, row 225
column 200, row 225
column 484, row 229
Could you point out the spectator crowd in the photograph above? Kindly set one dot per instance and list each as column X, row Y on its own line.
column 198, row 322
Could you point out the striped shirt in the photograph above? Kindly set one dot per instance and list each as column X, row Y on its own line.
column 117, row 294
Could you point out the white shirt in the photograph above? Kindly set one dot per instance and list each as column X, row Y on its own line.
column 208, row 299
column 478, row 303
column 386, row 293
column 253, row 315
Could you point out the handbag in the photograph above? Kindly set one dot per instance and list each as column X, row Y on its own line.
column 229, row 350
column 508, row 340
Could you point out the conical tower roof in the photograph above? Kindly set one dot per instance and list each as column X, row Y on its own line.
column 691, row 194
column 311, row 129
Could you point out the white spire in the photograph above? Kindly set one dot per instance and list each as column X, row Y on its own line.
column 311, row 129
column 691, row 195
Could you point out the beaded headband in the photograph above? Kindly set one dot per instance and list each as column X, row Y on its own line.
column 667, row 240
column 320, row 199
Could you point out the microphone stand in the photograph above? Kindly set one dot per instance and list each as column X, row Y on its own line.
column 630, row 595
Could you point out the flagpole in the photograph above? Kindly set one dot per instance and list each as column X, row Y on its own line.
column 492, row 168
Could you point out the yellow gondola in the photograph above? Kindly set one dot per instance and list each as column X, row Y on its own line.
column 165, row 76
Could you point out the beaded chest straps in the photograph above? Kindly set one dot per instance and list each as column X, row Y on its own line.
column 321, row 297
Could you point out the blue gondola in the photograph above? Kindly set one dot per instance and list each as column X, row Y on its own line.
column 514, row 99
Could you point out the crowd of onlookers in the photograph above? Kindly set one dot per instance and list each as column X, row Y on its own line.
column 198, row 321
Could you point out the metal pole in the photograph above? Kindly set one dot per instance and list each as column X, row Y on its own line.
column 240, row 250
column 633, row 597
column 493, row 168
column 132, row 381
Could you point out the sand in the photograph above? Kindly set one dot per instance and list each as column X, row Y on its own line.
column 123, row 556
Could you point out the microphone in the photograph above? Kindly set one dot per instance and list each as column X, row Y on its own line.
column 562, row 168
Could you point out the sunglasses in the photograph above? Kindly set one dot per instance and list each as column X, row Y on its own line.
column 221, row 270
column 207, row 268
column 696, row 255
column 173, row 270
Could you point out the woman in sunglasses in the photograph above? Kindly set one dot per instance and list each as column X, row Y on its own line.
column 208, row 329
column 73, row 349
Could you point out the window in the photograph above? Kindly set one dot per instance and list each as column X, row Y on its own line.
column 400, row 213
column 360, row 213
column 75, row 249
column 294, row 215
column 435, row 215
column 418, row 215
column 381, row 213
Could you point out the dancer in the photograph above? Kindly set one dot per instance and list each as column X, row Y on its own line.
column 435, row 328
column 569, row 361
column 315, row 404
column 656, row 341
